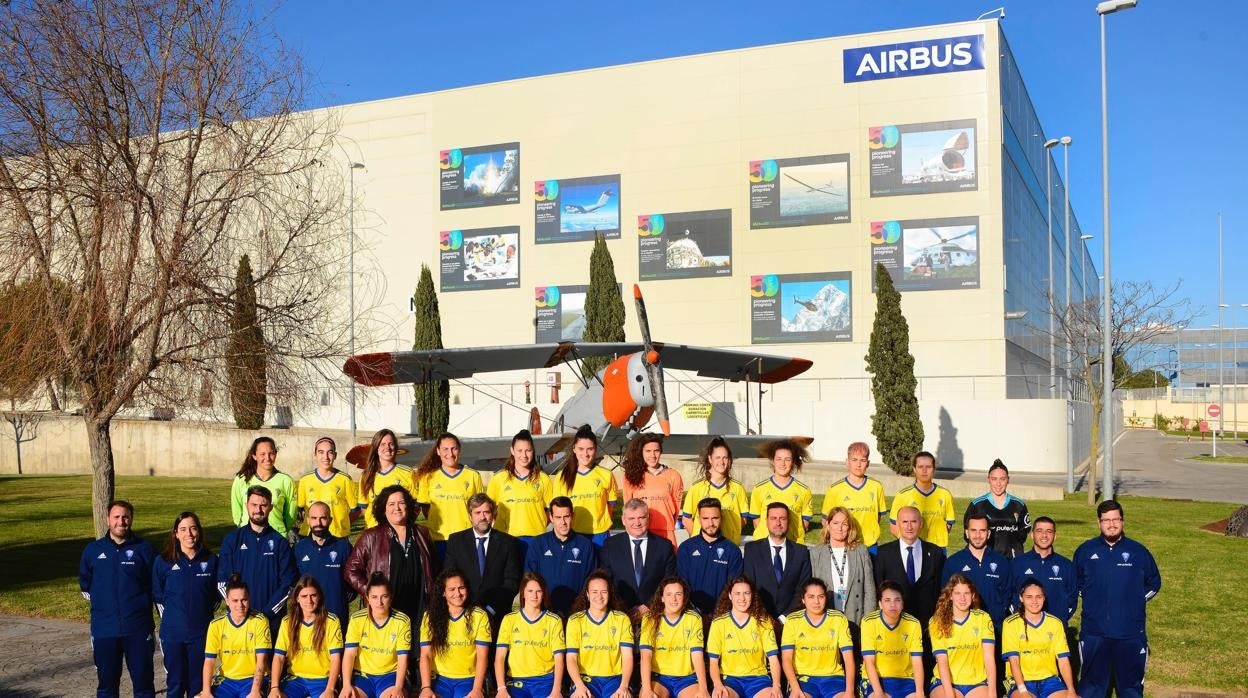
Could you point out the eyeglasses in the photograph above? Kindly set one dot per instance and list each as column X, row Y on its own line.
column 1117, row 520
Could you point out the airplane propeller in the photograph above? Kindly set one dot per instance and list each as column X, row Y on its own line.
column 651, row 356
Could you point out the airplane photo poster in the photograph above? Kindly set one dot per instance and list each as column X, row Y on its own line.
column 684, row 245
column 801, row 308
column 789, row 192
column 485, row 175
column 923, row 158
column 572, row 210
column 929, row 254
column 472, row 260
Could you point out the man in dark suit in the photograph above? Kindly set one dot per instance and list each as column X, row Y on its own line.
column 913, row 563
column 637, row 560
column 489, row 558
column 777, row 565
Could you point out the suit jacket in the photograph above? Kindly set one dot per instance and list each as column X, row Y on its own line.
column 778, row 597
column 617, row 560
column 495, row 592
column 859, row 582
column 920, row 597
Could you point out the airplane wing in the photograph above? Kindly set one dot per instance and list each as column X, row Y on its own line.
column 813, row 187
column 391, row 368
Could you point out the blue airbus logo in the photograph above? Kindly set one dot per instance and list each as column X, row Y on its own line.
column 949, row 55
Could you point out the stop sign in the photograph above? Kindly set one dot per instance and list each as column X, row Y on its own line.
column 1214, row 410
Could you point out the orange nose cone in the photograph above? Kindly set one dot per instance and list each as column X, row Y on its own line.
column 636, row 291
column 652, row 357
column 666, row 426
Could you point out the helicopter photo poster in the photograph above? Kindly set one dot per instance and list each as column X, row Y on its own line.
column 928, row 254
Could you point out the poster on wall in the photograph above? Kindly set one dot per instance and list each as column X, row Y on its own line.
column 684, row 245
column 925, row 158
column 572, row 210
column 800, row 308
column 799, row 191
column 471, row 260
column 928, row 254
column 484, row 175
column 559, row 315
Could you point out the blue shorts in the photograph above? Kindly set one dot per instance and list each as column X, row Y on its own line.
column 372, row 686
column 676, row 684
column 822, row 686
column 1042, row 688
column 298, row 687
column 897, row 688
column 601, row 686
column 235, row 688
column 445, row 687
column 747, row 686
column 963, row 688
column 598, row 539
column 531, row 687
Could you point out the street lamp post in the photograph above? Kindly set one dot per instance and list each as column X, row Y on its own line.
column 1070, row 389
column 351, row 277
column 1235, row 371
column 1048, row 242
column 1107, row 360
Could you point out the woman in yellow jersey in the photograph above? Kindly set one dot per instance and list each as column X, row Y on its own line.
column 715, row 468
column 892, row 648
column 379, row 641
column 817, row 650
column 521, row 492
column 671, row 645
column 592, row 489
column 240, row 642
column 600, row 642
column 530, row 642
column 331, row 486
column 380, row 471
column 660, row 487
column 259, row 468
column 308, row 647
column 454, row 641
column 963, row 642
column 787, row 457
column 742, row 645
column 1033, row 643
column 442, row 487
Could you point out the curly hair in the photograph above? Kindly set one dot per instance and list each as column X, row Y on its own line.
column 704, row 458
column 756, row 610
column 568, row 475
column 799, row 452
column 655, row 611
column 942, row 619
column 373, row 463
column 439, row 612
column 379, row 505
column 582, row 599
column 294, row 616
column 854, row 538
column 432, row 461
column 633, row 464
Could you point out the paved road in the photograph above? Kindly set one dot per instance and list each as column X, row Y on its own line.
column 45, row 658
column 1149, row 463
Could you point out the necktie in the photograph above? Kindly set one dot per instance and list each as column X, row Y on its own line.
column 637, row 562
column 481, row 556
column 910, row 563
column 777, row 564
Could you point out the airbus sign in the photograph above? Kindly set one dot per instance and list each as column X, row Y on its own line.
column 949, row 55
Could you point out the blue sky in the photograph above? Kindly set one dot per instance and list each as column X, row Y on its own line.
column 1178, row 97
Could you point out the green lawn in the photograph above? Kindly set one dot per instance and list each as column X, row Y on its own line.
column 45, row 521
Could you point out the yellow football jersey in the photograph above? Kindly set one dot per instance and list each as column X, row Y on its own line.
column 398, row 475
column 598, row 644
column 1037, row 647
column 338, row 492
column 795, row 494
column 447, row 496
column 742, row 650
column 532, row 646
column 964, row 646
column 237, row 646
column 732, row 500
column 308, row 663
column 817, row 648
column 458, row 660
column 379, row 646
column 521, row 502
column 592, row 494
column 866, row 504
column 892, row 647
column 673, row 644
column 935, row 508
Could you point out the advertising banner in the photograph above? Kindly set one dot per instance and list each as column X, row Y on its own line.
column 808, row 190
column 902, row 60
column 801, row 308
column 928, row 254
column 471, row 260
column 923, row 158
column 684, row 245
column 485, row 175
column 572, row 210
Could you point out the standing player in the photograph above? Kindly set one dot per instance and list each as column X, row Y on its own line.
column 591, row 488
column 1007, row 515
column 671, row 645
column 935, row 503
column 786, row 458
column 379, row 642
column 892, row 647
column 331, row 486
column 659, row 486
column 600, row 643
column 259, row 470
column 521, row 492
column 715, row 467
column 741, row 645
column 530, row 642
column 307, row 655
column 184, row 586
column 963, row 642
column 861, row 495
column 454, row 641
column 1033, row 644
column 381, row 471
column 241, row 640
column 1054, row 571
column 442, row 487
column 817, row 651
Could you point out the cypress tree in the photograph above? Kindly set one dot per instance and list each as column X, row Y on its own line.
column 433, row 399
column 245, row 367
column 604, row 308
column 895, row 424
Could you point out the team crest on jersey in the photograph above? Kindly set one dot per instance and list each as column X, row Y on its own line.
column 976, row 631
column 576, row 553
column 270, row 545
column 333, row 556
column 203, row 566
column 1056, row 570
column 1125, row 556
column 992, row 566
column 130, row 555
column 719, row 552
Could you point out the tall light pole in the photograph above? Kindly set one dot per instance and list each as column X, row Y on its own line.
column 1235, row 371
column 1048, row 242
column 1221, row 340
column 1070, row 389
column 351, row 168
column 1107, row 7
column 1083, row 267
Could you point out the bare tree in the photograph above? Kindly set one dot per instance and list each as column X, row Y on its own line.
column 25, row 427
column 1141, row 312
column 145, row 146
